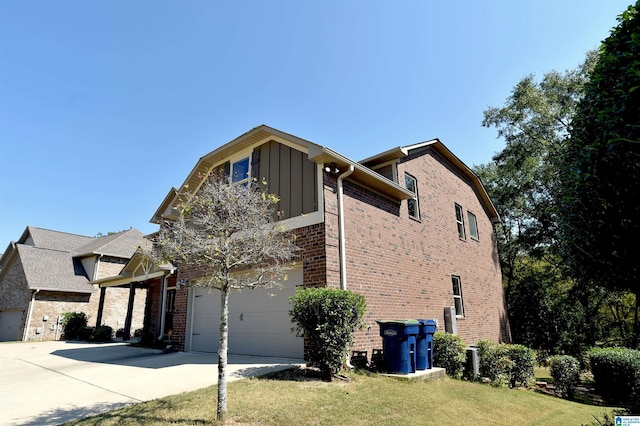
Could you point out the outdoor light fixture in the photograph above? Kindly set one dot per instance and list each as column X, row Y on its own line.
column 331, row 168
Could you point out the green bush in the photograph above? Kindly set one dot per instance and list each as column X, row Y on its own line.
column 86, row 333
column 524, row 361
column 449, row 353
column 72, row 324
column 494, row 362
column 327, row 318
column 565, row 371
column 104, row 333
column 616, row 375
column 506, row 365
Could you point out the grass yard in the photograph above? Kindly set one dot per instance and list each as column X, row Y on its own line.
column 296, row 399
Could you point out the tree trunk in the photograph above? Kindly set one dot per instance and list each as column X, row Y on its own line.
column 222, row 353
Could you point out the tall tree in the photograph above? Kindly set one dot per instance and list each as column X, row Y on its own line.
column 522, row 180
column 600, row 204
column 225, row 233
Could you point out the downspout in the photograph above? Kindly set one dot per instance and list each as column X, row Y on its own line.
column 163, row 305
column 341, row 237
column 25, row 334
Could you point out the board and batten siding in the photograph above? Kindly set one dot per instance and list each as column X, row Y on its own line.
column 290, row 175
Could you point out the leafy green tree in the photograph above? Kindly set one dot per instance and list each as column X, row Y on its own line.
column 522, row 180
column 226, row 233
column 600, row 204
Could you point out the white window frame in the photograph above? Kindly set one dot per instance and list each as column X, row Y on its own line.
column 407, row 178
column 473, row 226
column 460, row 222
column 457, row 296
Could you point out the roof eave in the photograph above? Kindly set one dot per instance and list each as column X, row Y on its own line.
column 362, row 174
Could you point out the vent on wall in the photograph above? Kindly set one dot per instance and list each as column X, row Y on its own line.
column 450, row 325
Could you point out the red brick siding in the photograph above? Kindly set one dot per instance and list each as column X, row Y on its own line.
column 403, row 267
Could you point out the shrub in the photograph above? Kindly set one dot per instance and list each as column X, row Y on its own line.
column 449, row 353
column 565, row 371
column 506, row 365
column 328, row 319
column 494, row 362
column 86, row 333
column 616, row 375
column 524, row 361
column 104, row 333
column 72, row 323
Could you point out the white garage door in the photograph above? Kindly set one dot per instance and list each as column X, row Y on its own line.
column 259, row 322
column 10, row 325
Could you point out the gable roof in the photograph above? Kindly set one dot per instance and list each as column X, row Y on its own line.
column 435, row 144
column 53, row 270
column 51, row 259
column 362, row 174
column 54, row 240
column 121, row 244
column 317, row 153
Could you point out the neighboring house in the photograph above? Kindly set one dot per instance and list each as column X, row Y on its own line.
column 47, row 273
column 411, row 229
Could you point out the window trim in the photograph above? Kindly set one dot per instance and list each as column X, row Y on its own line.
column 460, row 222
column 473, row 226
column 415, row 197
column 457, row 298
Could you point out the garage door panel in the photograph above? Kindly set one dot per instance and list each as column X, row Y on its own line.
column 259, row 322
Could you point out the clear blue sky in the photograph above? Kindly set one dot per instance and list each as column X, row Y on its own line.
column 105, row 105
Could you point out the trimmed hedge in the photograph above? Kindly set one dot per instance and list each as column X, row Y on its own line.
column 449, row 353
column 327, row 318
column 616, row 375
column 565, row 371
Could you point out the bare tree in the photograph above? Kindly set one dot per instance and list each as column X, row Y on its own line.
column 229, row 234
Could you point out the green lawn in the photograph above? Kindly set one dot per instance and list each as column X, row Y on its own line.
column 365, row 400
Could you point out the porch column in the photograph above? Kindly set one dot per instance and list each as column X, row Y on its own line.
column 126, row 335
column 103, row 291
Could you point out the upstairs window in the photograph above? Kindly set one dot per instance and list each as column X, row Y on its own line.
column 240, row 171
column 412, row 203
column 457, row 295
column 473, row 225
column 460, row 222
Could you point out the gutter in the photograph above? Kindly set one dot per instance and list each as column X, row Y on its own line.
column 341, row 237
column 25, row 334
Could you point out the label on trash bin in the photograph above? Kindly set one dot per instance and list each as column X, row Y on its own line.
column 390, row 332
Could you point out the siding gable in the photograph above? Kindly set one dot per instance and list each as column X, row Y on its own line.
column 289, row 174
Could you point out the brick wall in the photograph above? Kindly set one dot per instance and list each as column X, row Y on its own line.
column 14, row 294
column 403, row 266
column 53, row 304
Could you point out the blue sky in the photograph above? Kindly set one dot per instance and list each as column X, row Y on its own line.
column 105, row 105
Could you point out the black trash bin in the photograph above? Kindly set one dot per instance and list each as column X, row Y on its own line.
column 424, row 344
column 399, row 343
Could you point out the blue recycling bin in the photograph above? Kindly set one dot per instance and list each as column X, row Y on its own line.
column 424, row 344
column 399, row 344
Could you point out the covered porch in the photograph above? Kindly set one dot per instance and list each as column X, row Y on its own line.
column 160, row 283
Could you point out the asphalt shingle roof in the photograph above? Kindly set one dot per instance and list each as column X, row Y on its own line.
column 55, row 240
column 48, row 269
column 123, row 244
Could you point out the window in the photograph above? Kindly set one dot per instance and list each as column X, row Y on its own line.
column 460, row 221
column 473, row 226
column 412, row 185
column 240, row 171
column 457, row 295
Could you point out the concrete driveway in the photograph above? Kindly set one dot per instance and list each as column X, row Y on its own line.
column 47, row 383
